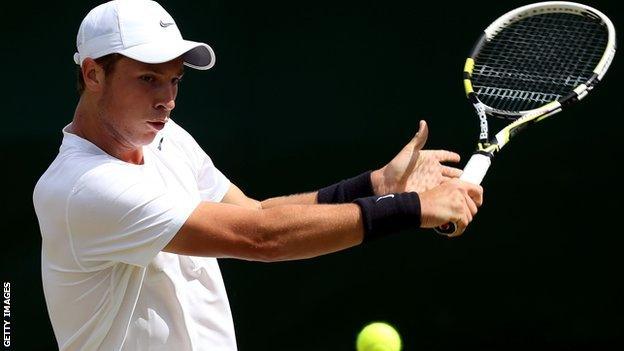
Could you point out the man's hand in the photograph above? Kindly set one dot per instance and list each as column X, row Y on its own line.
column 454, row 201
column 414, row 169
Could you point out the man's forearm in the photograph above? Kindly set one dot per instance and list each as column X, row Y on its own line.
column 292, row 231
column 302, row 231
column 297, row 199
column 344, row 191
column 279, row 233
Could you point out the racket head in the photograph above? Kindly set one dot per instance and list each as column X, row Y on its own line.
column 536, row 59
column 528, row 65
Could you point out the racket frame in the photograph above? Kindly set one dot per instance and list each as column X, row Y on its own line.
column 487, row 147
column 491, row 146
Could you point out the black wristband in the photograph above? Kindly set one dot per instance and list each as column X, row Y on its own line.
column 384, row 215
column 347, row 190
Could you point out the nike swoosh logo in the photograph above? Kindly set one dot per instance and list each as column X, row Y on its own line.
column 384, row 197
column 160, row 143
column 165, row 25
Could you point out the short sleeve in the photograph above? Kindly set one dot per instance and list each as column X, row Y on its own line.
column 211, row 182
column 122, row 219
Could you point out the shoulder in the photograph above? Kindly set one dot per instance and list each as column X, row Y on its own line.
column 112, row 183
column 177, row 133
column 75, row 169
column 75, row 172
column 174, row 138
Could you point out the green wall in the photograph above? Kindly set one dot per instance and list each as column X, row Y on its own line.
column 307, row 93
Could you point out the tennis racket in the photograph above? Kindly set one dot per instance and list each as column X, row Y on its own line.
column 529, row 64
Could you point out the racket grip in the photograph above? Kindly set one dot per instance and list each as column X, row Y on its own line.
column 475, row 170
column 447, row 229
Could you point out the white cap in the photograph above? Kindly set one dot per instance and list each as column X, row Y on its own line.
column 141, row 30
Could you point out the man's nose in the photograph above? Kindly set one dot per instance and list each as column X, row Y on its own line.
column 169, row 105
column 167, row 99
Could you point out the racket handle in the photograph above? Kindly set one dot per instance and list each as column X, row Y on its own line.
column 475, row 170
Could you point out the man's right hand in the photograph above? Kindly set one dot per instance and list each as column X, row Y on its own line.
column 453, row 201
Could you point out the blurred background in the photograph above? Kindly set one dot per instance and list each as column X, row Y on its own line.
column 307, row 93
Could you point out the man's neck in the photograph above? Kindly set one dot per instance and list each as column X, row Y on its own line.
column 86, row 125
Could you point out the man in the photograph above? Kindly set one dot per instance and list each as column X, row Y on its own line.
column 133, row 213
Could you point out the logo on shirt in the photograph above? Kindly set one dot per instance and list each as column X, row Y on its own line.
column 166, row 24
column 160, row 143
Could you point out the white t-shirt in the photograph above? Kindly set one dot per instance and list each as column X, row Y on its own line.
column 104, row 223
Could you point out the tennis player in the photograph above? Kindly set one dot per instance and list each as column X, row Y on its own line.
column 133, row 213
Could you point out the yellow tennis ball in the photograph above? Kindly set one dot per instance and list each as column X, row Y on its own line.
column 378, row 336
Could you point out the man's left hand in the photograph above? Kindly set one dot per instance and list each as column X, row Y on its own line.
column 414, row 169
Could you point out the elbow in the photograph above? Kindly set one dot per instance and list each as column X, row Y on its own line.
column 269, row 252
column 268, row 248
column 267, row 244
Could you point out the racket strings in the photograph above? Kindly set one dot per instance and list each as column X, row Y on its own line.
column 537, row 60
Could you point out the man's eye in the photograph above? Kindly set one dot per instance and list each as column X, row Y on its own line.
column 146, row 78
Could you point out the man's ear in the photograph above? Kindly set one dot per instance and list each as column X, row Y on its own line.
column 93, row 75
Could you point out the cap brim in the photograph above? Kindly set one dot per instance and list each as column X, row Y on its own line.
column 196, row 55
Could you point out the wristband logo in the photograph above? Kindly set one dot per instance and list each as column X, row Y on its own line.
column 389, row 196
